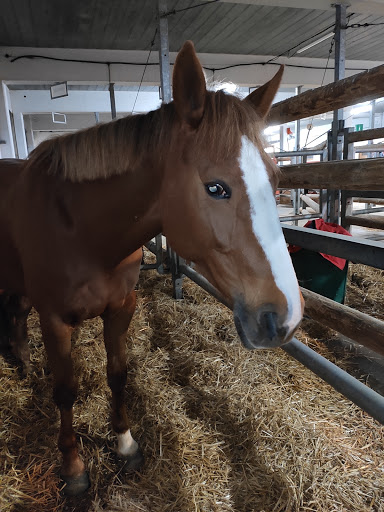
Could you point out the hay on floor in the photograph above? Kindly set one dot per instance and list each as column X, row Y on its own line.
column 222, row 428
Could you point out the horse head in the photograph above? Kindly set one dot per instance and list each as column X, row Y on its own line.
column 218, row 206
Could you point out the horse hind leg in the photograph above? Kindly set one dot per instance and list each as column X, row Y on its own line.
column 57, row 341
column 116, row 323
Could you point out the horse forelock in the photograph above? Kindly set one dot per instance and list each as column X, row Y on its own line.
column 225, row 121
column 113, row 148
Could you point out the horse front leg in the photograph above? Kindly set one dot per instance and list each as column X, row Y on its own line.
column 116, row 323
column 57, row 341
column 19, row 308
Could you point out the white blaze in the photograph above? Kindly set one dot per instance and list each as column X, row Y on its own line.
column 126, row 445
column 266, row 227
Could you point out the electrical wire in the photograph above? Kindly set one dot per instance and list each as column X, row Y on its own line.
column 176, row 11
column 359, row 25
column 121, row 63
column 145, row 68
column 222, row 68
column 322, row 82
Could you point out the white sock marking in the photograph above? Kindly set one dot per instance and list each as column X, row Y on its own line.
column 126, row 445
column 267, row 229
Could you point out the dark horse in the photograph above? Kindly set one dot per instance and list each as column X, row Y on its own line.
column 78, row 211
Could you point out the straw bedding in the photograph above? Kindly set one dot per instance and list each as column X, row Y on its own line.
column 222, row 429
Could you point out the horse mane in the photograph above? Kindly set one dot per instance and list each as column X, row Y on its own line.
column 116, row 147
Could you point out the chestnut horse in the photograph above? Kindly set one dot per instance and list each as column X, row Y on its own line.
column 74, row 221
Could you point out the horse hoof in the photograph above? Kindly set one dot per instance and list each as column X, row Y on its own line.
column 25, row 370
column 75, row 485
column 132, row 463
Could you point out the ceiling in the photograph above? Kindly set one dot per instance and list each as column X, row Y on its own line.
column 223, row 27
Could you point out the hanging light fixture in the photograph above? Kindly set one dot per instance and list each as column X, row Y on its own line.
column 314, row 43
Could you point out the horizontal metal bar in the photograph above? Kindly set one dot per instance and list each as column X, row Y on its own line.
column 310, row 152
column 368, row 210
column 351, row 248
column 203, row 283
column 367, row 399
column 151, row 246
column 360, row 394
column 148, row 266
column 287, row 218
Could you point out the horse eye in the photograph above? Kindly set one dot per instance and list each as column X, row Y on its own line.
column 218, row 190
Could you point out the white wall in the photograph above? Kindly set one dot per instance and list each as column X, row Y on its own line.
column 29, row 102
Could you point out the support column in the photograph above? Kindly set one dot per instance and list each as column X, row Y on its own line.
column 7, row 148
column 21, row 140
column 29, row 133
column 166, row 95
column 336, row 148
column 112, row 99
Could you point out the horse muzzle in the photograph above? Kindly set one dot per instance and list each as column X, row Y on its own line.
column 263, row 328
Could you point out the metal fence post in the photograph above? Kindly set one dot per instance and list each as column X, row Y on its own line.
column 335, row 152
column 166, row 95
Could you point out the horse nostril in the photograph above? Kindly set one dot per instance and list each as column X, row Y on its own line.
column 268, row 321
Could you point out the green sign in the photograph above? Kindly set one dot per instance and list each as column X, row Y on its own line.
column 359, row 127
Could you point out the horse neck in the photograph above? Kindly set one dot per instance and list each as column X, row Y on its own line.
column 121, row 213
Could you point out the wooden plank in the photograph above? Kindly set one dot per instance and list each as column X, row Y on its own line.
column 367, row 221
column 368, row 200
column 374, row 133
column 364, row 86
column 362, row 328
column 370, row 148
column 367, row 174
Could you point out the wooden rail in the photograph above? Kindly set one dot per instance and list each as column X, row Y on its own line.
column 365, row 174
column 362, row 328
column 364, row 86
column 374, row 133
column 367, row 221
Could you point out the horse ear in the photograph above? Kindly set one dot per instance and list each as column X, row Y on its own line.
column 262, row 97
column 189, row 88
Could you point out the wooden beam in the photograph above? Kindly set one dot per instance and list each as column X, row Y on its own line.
column 367, row 221
column 374, row 133
column 367, row 174
column 370, row 148
column 362, row 328
column 368, row 200
column 364, row 86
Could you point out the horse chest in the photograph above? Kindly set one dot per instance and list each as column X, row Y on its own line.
column 104, row 289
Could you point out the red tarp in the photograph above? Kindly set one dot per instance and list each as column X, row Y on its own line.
column 331, row 228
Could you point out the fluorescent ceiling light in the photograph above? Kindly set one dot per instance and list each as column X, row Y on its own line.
column 314, row 43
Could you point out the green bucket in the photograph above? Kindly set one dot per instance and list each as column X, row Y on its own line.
column 320, row 275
